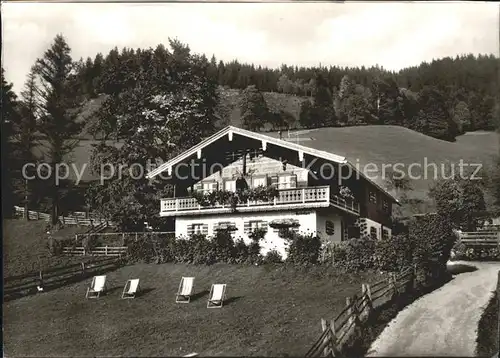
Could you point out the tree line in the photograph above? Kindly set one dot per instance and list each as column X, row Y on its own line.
column 443, row 98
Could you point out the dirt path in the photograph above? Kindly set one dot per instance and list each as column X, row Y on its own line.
column 443, row 322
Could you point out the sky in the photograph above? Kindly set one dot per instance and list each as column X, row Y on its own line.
column 392, row 35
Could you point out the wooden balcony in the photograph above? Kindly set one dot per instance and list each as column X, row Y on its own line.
column 299, row 198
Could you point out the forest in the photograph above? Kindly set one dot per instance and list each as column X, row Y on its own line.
column 442, row 99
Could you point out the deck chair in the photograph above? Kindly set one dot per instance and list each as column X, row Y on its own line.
column 217, row 296
column 97, row 287
column 131, row 288
column 185, row 290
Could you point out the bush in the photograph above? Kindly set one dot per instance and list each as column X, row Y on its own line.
column 223, row 244
column 354, row 254
column 394, row 253
column 433, row 239
column 55, row 247
column 273, row 257
column 241, row 252
column 303, row 249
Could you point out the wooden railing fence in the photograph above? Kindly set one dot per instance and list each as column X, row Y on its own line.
column 117, row 251
column 77, row 218
column 26, row 284
column 337, row 332
column 123, row 236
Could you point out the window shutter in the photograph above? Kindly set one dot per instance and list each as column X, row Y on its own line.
column 190, row 230
column 214, row 186
column 246, row 227
column 274, row 180
column 204, row 229
column 293, row 181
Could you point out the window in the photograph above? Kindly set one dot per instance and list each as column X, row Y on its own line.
column 385, row 205
column 385, row 234
column 230, row 185
column 209, row 186
column 197, row 228
column 251, row 226
column 330, row 227
column 287, row 181
column 373, row 232
column 262, row 181
column 373, row 197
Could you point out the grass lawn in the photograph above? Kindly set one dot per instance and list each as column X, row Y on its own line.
column 25, row 244
column 270, row 311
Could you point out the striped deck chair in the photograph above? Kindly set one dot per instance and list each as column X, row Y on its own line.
column 131, row 288
column 185, row 290
column 217, row 296
column 97, row 287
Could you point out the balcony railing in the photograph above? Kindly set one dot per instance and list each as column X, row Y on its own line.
column 296, row 198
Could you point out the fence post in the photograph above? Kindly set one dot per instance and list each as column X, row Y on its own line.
column 366, row 307
column 37, row 215
column 106, row 252
column 352, row 318
column 83, row 268
column 136, row 238
column 324, row 327
column 333, row 339
column 368, row 293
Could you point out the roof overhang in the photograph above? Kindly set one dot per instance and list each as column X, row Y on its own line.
column 230, row 130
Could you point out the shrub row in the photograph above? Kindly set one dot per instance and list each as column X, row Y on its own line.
column 222, row 247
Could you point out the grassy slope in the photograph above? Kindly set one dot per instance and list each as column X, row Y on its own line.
column 25, row 243
column 282, row 316
column 392, row 144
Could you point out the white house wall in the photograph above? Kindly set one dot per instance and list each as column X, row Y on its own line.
column 336, row 219
column 307, row 221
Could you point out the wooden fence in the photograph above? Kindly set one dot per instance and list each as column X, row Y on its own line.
column 479, row 238
column 117, row 251
column 22, row 285
column 77, row 218
column 123, row 236
column 338, row 331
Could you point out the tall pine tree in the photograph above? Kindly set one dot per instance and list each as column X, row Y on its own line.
column 59, row 109
column 9, row 104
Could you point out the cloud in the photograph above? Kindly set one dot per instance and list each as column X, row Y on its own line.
column 354, row 34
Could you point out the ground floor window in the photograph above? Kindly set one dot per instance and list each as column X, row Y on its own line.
column 197, row 229
column 373, row 232
column 385, row 234
column 330, row 228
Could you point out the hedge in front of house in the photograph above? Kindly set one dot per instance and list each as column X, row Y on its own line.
column 433, row 239
column 197, row 249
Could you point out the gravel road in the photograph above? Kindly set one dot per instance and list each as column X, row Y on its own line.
column 443, row 322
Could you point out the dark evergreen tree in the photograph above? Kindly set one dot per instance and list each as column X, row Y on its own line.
column 8, row 104
column 59, row 109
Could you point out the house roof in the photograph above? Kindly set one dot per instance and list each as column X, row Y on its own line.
column 229, row 130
